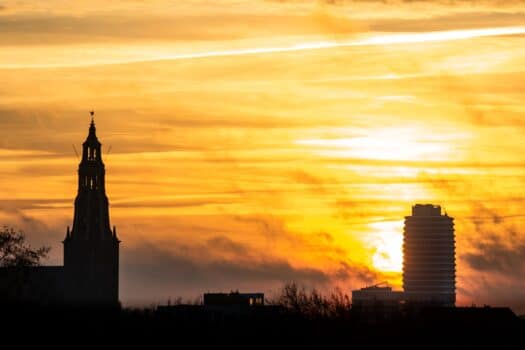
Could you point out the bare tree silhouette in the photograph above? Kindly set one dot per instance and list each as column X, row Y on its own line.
column 16, row 252
column 312, row 303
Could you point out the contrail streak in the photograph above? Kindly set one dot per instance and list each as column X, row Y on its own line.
column 377, row 40
column 389, row 39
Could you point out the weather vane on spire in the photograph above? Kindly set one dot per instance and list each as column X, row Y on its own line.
column 92, row 113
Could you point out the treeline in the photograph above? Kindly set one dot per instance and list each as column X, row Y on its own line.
column 295, row 299
column 311, row 303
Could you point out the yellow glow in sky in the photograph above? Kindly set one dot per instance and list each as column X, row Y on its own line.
column 387, row 144
column 388, row 244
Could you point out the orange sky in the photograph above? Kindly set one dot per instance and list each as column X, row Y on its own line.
column 258, row 142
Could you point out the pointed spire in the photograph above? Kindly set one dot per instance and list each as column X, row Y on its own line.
column 92, row 129
column 92, row 135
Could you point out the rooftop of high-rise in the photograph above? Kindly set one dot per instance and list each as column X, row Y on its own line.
column 426, row 210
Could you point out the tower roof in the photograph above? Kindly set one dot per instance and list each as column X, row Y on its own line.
column 426, row 210
column 91, row 205
column 92, row 135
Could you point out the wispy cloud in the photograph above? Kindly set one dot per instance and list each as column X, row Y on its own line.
column 144, row 53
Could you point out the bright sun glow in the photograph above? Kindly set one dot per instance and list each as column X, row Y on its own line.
column 385, row 144
column 388, row 242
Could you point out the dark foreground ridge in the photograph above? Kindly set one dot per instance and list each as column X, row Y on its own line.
column 269, row 325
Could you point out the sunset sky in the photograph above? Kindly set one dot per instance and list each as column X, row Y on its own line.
column 251, row 143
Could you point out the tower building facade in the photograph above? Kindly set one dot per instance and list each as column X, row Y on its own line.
column 91, row 247
column 429, row 266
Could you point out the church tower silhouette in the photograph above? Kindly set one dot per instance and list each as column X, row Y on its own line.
column 91, row 248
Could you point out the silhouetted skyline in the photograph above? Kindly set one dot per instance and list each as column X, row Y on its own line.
column 257, row 142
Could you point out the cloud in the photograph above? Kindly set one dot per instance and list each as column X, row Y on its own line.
column 57, row 29
column 495, row 292
column 155, row 271
column 226, row 245
column 176, row 203
column 150, row 273
column 502, row 252
column 315, row 183
column 274, row 230
column 492, row 257
column 67, row 29
column 332, row 23
column 449, row 21
column 38, row 233
column 359, row 273
column 14, row 206
column 51, row 132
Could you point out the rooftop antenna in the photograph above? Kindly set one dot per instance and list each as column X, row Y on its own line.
column 382, row 283
column 76, row 152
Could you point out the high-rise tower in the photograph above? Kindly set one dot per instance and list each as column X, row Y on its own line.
column 429, row 266
column 91, row 248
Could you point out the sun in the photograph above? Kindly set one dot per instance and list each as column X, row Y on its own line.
column 387, row 243
column 410, row 143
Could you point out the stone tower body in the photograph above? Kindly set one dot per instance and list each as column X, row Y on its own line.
column 91, row 248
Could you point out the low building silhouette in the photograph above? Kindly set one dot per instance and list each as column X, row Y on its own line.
column 376, row 303
column 233, row 304
column 379, row 294
column 91, row 248
column 233, row 299
column 219, row 307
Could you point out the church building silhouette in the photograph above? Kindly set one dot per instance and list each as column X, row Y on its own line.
column 90, row 274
